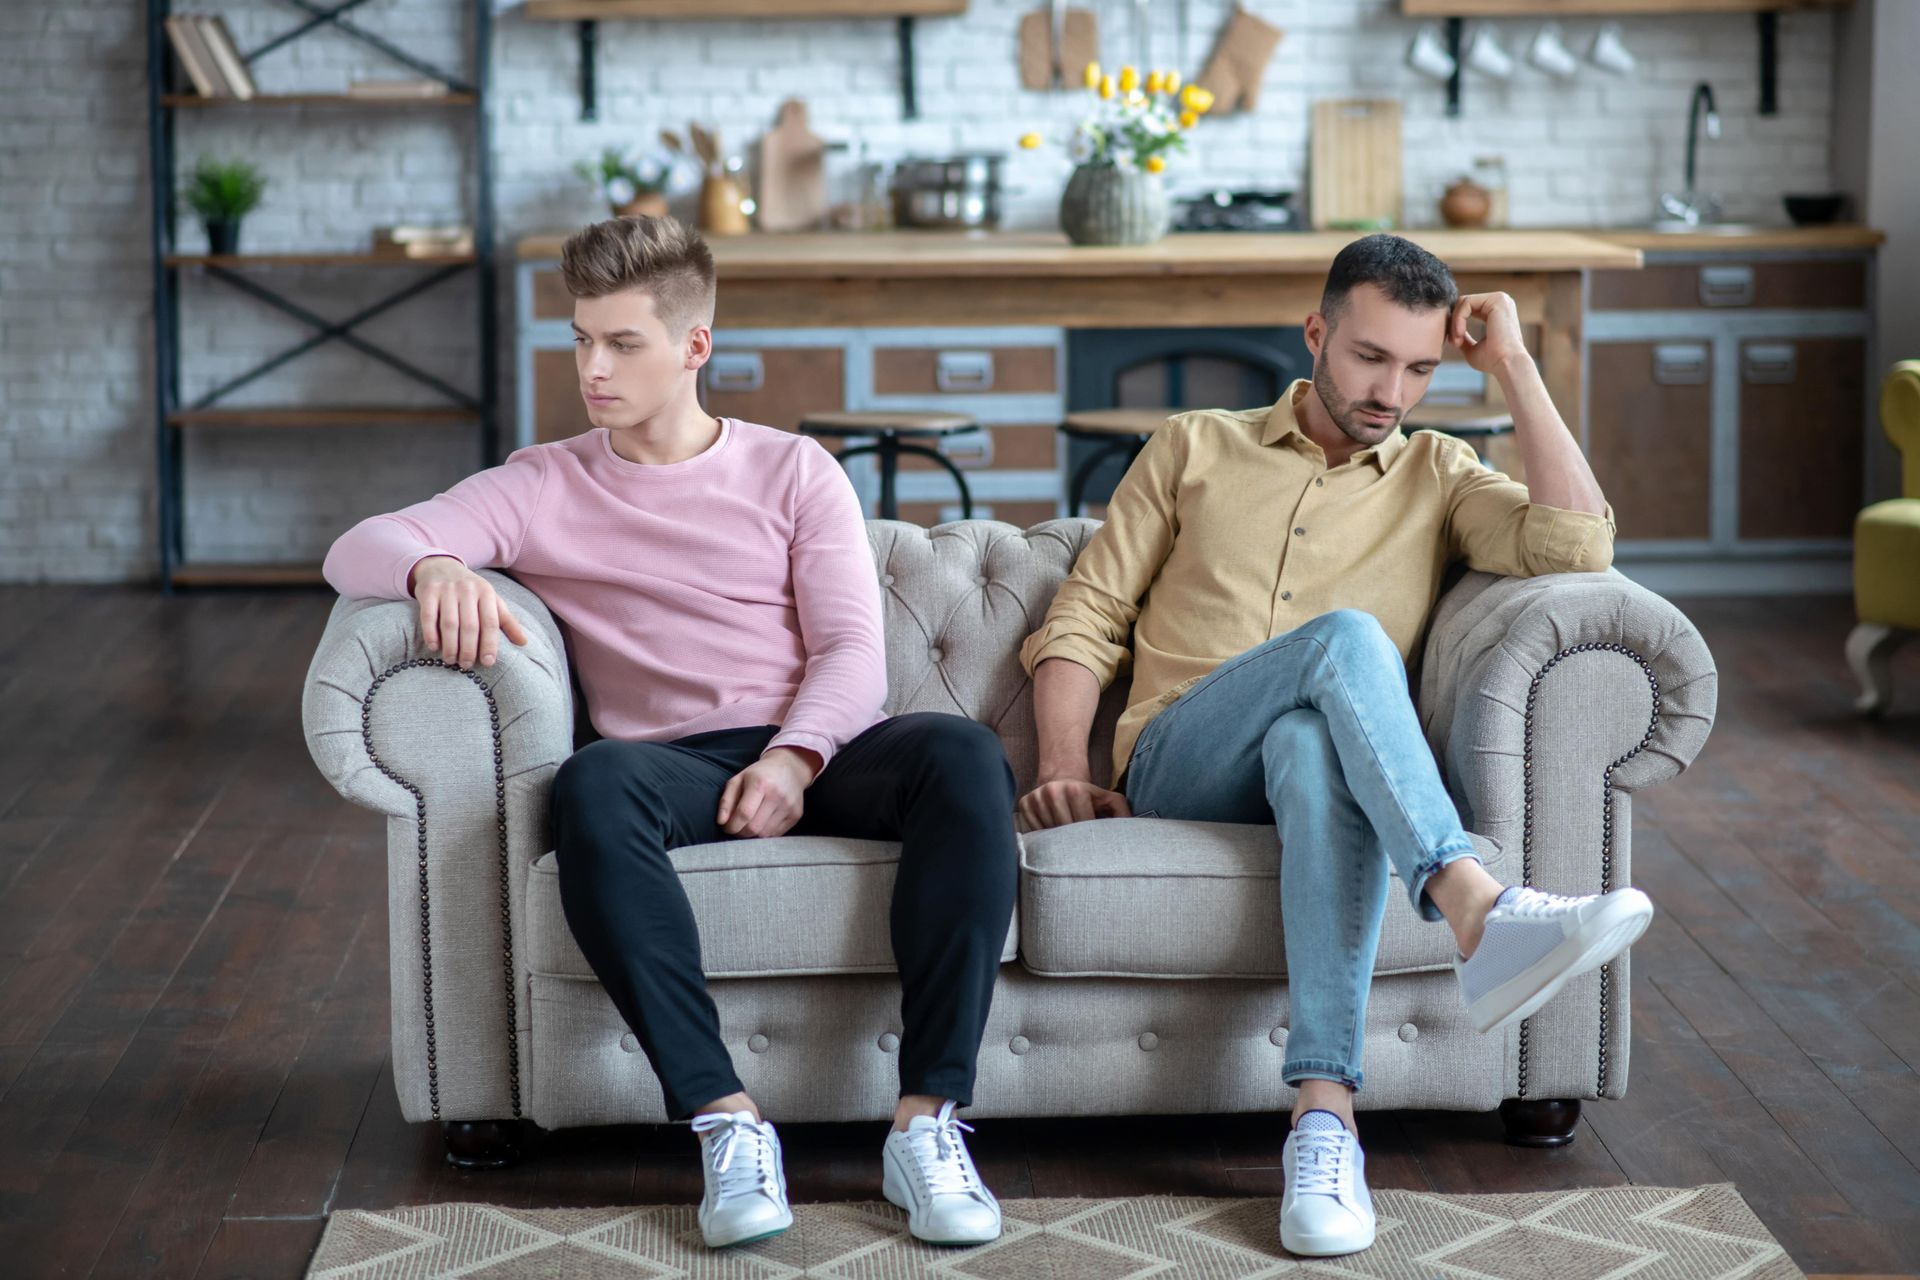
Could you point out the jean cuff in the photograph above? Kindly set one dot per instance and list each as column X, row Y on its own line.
column 1417, row 891
column 1294, row 1070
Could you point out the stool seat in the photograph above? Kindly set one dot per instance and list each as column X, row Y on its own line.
column 840, row 424
column 1116, row 422
column 1459, row 419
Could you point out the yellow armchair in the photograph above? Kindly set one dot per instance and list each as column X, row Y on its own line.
column 1886, row 550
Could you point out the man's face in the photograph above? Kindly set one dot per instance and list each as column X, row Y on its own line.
column 631, row 364
column 1374, row 362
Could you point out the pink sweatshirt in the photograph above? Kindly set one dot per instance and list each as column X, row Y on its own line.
column 733, row 589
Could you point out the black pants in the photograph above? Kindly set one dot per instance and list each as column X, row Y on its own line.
column 940, row 784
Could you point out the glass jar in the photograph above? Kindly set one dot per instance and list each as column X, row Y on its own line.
column 1490, row 172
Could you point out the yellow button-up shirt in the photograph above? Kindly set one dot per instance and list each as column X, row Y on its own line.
column 1230, row 529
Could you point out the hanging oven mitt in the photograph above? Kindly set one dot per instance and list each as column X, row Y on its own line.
column 1239, row 59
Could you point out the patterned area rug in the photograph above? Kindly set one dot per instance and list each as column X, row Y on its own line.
column 1650, row 1233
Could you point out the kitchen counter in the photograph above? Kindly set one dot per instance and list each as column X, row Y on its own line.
column 1839, row 236
column 935, row 254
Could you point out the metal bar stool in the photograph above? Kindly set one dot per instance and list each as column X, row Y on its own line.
column 1474, row 423
column 890, row 433
column 1118, row 432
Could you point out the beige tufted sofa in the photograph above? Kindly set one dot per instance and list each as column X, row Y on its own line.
column 1144, row 969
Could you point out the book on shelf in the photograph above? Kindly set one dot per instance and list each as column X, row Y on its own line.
column 397, row 89
column 226, row 54
column 413, row 241
column 197, row 60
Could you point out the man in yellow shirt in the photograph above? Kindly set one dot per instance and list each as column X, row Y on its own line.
column 1266, row 575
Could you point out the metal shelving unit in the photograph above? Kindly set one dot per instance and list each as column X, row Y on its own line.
column 173, row 417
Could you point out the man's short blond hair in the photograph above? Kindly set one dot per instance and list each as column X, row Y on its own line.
column 662, row 256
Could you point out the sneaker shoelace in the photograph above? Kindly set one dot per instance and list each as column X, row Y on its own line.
column 741, row 1153
column 1320, row 1159
column 1531, row 904
column 941, row 1153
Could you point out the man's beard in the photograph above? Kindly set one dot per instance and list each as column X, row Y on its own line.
column 1346, row 413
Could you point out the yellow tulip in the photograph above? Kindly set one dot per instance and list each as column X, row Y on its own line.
column 1106, row 86
column 1156, row 81
column 1188, row 119
column 1154, row 164
column 1173, row 82
column 1091, row 76
column 1129, row 79
column 1029, row 141
column 1196, row 99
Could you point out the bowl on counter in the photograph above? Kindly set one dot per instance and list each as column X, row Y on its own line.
column 1814, row 210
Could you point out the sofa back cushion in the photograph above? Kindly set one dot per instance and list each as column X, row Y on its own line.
column 958, row 601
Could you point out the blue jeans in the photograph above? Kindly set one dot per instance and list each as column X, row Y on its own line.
column 1314, row 731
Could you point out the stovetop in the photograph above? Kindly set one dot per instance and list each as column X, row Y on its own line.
column 1238, row 211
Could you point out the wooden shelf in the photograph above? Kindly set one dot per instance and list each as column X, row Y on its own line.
column 307, row 416
column 247, row 575
column 576, row 10
column 1582, row 8
column 312, row 260
column 316, row 100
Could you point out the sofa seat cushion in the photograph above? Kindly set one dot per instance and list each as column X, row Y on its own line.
column 1165, row 898
column 790, row 905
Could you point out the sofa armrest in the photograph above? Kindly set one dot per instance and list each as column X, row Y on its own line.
column 1582, row 677
column 1548, row 701
column 461, row 763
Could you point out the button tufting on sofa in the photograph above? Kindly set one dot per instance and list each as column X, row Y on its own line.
column 1278, row 1037
column 758, row 1043
column 889, row 1042
column 1019, row 1044
column 1409, row 1032
column 1149, row 1041
column 630, row 1042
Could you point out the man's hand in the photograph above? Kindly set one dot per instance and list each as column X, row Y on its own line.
column 763, row 800
column 461, row 615
column 1057, row 802
column 1500, row 346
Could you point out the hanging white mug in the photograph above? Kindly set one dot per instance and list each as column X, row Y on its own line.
column 1609, row 52
column 1549, row 53
column 1428, row 54
column 1485, row 55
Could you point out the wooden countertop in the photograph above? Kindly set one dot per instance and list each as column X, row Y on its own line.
column 1834, row 236
column 932, row 254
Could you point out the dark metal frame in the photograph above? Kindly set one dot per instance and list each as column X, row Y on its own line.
column 166, row 284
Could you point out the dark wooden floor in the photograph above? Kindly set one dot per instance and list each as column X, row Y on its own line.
column 193, row 1009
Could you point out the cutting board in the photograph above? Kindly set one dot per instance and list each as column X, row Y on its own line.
column 793, row 185
column 1356, row 162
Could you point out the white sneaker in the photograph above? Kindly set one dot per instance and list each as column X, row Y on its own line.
column 1326, row 1210
column 746, row 1196
column 1534, row 942
column 929, row 1173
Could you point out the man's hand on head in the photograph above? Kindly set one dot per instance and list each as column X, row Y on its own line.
column 766, row 798
column 1500, row 348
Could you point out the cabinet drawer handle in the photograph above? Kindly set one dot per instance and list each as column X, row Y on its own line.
column 1767, row 362
column 1726, row 286
column 1680, row 364
column 735, row 371
column 964, row 371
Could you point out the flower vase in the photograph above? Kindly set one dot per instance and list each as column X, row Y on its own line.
column 1105, row 204
column 648, row 204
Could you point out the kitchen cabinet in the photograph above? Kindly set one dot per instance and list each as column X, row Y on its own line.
column 1727, row 415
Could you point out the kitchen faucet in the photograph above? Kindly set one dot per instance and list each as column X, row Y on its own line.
column 1690, row 206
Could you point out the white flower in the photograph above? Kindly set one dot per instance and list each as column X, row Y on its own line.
column 1082, row 147
column 620, row 190
column 1123, row 161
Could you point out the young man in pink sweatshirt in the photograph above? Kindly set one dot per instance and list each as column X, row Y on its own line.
column 722, row 610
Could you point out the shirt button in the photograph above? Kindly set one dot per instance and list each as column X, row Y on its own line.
column 1318, row 482
column 1299, row 533
column 1286, row 595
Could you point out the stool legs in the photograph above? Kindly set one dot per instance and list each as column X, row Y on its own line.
column 887, row 449
column 1077, row 486
column 959, row 477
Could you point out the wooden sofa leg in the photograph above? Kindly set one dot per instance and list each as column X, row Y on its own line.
column 482, row 1144
column 1870, row 647
column 1540, row 1122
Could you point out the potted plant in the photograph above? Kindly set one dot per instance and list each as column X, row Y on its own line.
column 632, row 186
column 222, row 194
column 1120, row 149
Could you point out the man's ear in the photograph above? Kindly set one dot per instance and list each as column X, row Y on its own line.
column 699, row 345
column 1317, row 329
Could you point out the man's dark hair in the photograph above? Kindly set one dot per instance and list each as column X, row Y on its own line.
column 1409, row 275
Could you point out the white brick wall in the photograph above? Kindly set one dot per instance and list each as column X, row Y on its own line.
column 76, row 444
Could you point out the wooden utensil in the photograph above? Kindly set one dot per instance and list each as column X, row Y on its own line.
column 1080, row 44
column 1356, row 174
column 792, row 175
column 706, row 146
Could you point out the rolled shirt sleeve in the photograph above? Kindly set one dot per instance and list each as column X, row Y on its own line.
column 1494, row 526
column 1091, row 618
